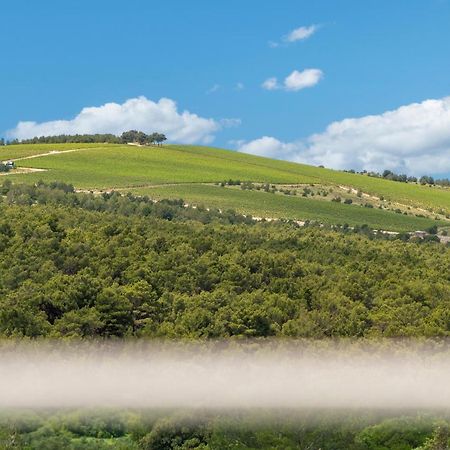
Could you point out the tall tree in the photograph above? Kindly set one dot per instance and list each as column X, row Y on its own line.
column 160, row 138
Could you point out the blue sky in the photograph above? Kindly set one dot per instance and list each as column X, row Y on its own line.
column 211, row 58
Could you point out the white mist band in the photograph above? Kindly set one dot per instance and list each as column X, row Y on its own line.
column 161, row 377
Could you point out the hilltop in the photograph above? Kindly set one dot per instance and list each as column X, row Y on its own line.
column 225, row 179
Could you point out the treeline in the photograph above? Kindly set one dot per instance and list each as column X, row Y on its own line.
column 403, row 178
column 133, row 430
column 62, row 194
column 133, row 136
column 69, row 138
column 79, row 265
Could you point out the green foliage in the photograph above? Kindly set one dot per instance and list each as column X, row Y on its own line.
column 144, row 430
column 107, row 138
column 78, row 265
column 174, row 433
column 141, row 138
column 395, row 434
column 440, row 440
column 76, row 138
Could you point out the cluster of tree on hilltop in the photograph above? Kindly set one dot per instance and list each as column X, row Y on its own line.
column 133, row 136
column 79, row 265
column 403, row 178
column 140, row 137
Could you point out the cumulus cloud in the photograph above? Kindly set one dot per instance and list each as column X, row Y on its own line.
column 136, row 113
column 270, row 84
column 268, row 146
column 413, row 139
column 296, row 81
column 301, row 80
column 300, row 34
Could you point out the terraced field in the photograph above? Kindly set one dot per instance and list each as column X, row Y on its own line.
column 189, row 172
column 265, row 205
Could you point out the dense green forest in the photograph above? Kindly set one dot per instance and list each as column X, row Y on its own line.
column 79, row 265
column 138, row 430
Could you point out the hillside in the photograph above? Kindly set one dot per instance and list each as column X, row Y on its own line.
column 275, row 189
column 80, row 265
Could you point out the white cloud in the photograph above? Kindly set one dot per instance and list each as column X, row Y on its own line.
column 239, row 86
column 268, row 146
column 136, row 113
column 301, row 80
column 414, row 139
column 213, row 89
column 300, row 34
column 296, row 81
column 270, row 84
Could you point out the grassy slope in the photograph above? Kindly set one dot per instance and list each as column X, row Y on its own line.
column 109, row 166
column 261, row 204
column 113, row 166
column 22, row 151
column 106, row 167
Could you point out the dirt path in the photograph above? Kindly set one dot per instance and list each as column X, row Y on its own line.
column 22, row 170
column 53, row 152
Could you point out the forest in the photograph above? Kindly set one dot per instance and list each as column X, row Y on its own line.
column 78, row 265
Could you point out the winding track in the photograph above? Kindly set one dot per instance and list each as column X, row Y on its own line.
column 53, row 152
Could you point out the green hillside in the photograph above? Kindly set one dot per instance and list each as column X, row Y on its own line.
column 192, row 173
column 261, row 204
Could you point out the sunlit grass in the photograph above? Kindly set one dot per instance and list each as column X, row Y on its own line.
column 172, row 169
